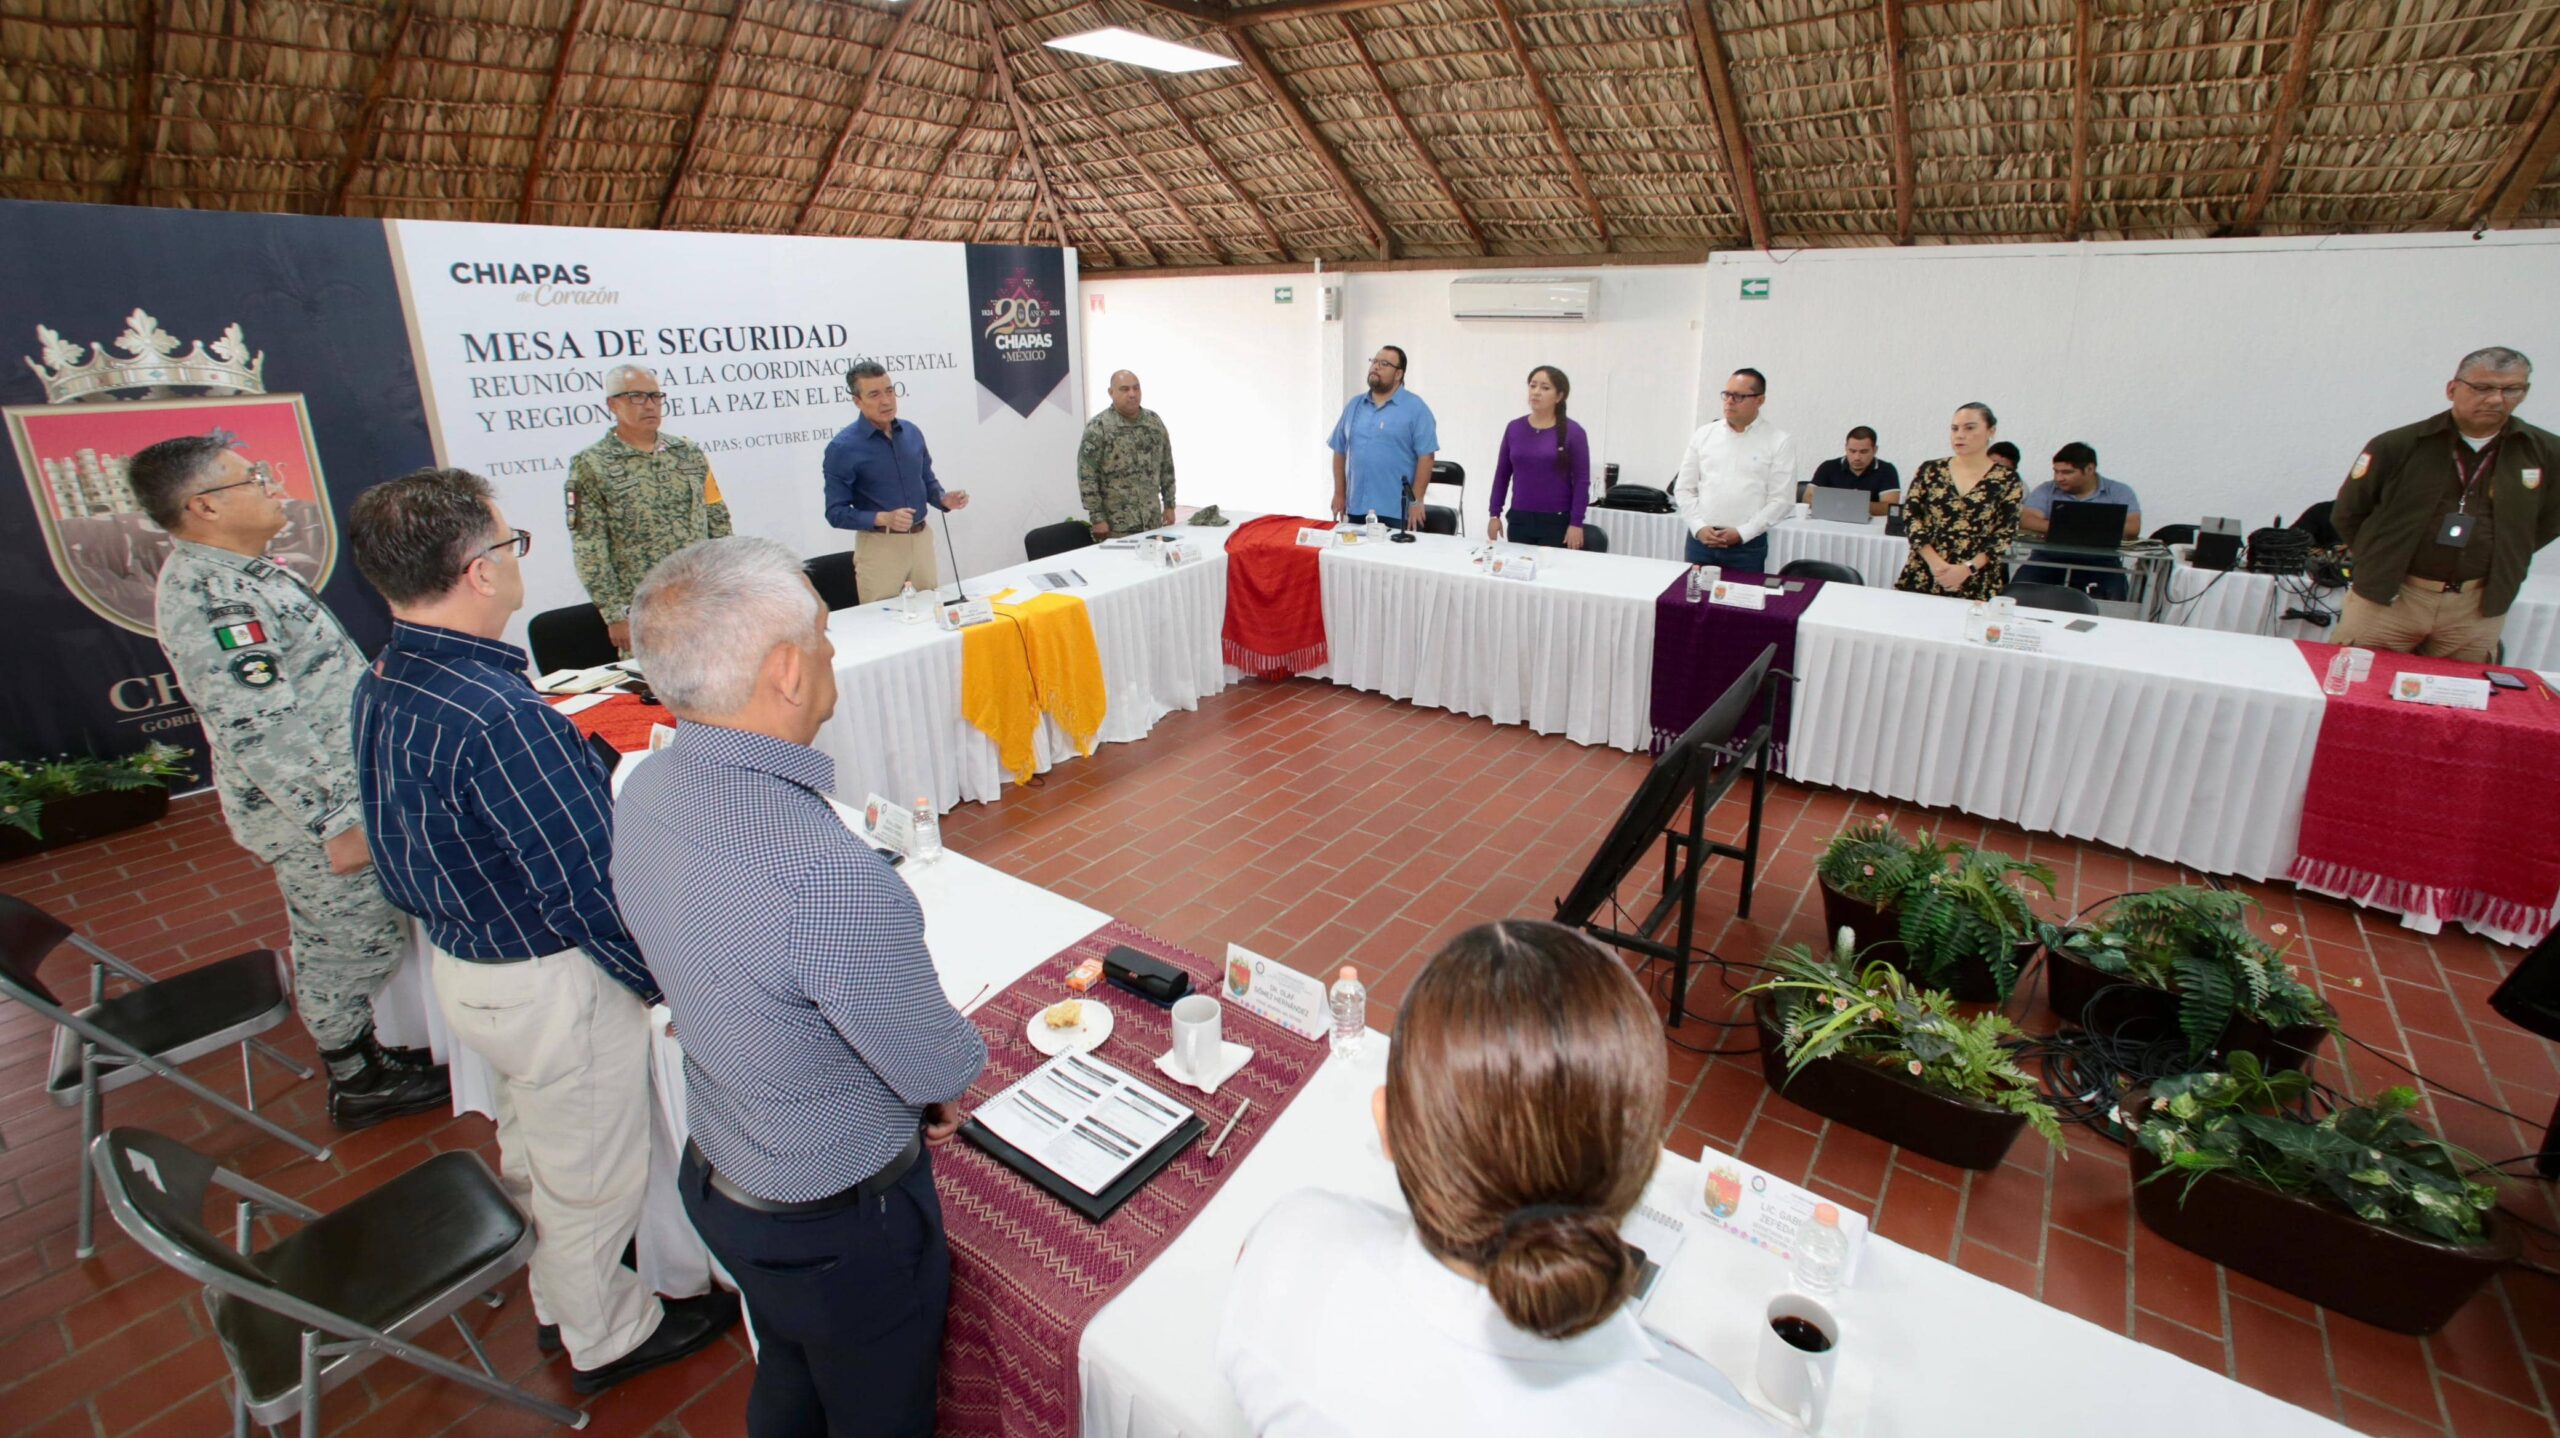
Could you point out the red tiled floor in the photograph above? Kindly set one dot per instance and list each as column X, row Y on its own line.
column 1293, row 818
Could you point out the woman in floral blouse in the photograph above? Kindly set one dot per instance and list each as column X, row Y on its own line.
column 1962, row 513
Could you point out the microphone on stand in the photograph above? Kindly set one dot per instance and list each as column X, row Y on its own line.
column 959, row 593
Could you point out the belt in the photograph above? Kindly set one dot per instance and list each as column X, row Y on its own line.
column 2446, row 586
column 870, row 1188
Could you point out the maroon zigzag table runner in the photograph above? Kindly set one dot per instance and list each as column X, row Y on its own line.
column 1028, row 1272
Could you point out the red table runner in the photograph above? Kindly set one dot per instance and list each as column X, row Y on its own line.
column 1275, row 598
column 1028, row 1272
column 2425, row 810
column 624, row 721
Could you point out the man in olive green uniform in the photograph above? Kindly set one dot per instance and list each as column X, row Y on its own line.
column 1125, row 465
column 272, row 675
column 635, row 497
column 2443, row 517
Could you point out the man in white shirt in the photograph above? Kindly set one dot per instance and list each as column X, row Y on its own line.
column 1737, row 479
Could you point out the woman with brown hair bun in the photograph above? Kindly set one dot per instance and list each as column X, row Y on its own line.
column 1522, row 1112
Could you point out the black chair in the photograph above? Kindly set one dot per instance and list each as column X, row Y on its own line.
column 1822, row 569
column 2315, row 522
column 152, row 1028
column 571, row 638
column 2175, row 534
column 2061, row 598
column 344, row 1291
column 832, row 576
column 1057, row 538
column 1595, row 540
column 1443, row 518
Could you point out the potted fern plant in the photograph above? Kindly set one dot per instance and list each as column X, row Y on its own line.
column 48, row 803
column 1966, row 927
column 2183, row 962
column 1866, row 1046
column 1863, row 873
column 2360, row 1209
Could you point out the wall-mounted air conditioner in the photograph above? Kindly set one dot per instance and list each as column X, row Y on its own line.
column 1522, row 297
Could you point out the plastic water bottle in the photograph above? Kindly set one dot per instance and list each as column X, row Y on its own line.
column 907, row 612
column 928, row 833
column 1822, row 1250
column 1373, row 529
column 1697, row 583
column 2336, row 680
column 1350, row 1002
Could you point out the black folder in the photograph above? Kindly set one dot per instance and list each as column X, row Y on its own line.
column 1096, row 1206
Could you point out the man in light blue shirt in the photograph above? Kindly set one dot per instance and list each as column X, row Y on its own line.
column 1383, row 447
column 2076, row 481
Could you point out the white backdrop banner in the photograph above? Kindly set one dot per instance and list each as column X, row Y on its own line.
column 516, row 326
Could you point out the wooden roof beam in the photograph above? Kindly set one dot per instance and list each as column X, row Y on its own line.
column 1201, row 143
column 2521, row 166
column 701, row 113
column 1028, row 146
column 1430, row 165
column 550, row 109
column 145, row 86
column 1068, row 70
column 2083, row 95
column 1004, row 173
column 1898, row 89
column 1250, row 52
column 1718, row 82
column 369, row 109
column 942, row 162
column 2297, row 72
column 1555, row 122
column 853, row 117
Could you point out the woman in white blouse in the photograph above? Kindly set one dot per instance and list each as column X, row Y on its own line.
column 1522, row 1112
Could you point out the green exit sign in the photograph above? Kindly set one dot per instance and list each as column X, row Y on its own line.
column 1755, row 289
column 1283, row 295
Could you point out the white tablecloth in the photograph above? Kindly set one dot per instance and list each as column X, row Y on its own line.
column 1912, row 1325
column 1646, row 536
column 2190, row 747
column 1570, row 652
column 897, row 729
column 1877, row 556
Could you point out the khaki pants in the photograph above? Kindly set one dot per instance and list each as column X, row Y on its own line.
column 883, row 562
column 571, row 1051
column 2423, row 619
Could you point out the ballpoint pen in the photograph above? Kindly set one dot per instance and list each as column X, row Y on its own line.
column 1230, row 1128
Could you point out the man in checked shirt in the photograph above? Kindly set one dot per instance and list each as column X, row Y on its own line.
column 820, row 1053
column 491, row 821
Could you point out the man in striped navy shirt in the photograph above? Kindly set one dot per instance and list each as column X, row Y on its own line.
column 490, row 820
column 817, row 1038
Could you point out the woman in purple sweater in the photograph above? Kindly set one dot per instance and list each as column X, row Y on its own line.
column 1550, row 456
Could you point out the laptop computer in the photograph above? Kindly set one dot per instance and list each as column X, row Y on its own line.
column 1844, row 506
column 2082, row 524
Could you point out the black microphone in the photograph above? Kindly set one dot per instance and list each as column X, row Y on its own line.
column 961, row 594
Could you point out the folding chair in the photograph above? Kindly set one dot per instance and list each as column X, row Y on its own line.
column 346, row 1290
column 151, row 1029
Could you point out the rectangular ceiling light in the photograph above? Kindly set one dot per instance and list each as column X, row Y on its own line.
column 1146, row 51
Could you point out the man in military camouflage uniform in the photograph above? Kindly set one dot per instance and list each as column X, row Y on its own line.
column 272, row 675
column 1125, row 465
column 635, row 497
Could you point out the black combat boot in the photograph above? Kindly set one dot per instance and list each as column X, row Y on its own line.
column 367, row 1086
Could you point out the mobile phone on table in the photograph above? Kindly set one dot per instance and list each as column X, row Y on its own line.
column 2503, row 679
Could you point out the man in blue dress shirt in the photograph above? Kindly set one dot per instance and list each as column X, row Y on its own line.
column 1383, row 447
column 489, row 819
column 879, row 484
column 820, row 1052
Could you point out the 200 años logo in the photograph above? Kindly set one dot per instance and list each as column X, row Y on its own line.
column 1020, row 323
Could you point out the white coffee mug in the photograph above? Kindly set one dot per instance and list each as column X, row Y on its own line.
column 1196, row 1050
column 1797, row 1380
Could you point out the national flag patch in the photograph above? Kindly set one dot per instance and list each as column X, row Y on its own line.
column 241, row 635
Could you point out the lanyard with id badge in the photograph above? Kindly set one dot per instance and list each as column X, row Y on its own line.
column 2455, row 530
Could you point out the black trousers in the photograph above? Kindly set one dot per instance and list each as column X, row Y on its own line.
column 1530, row 526
column 847, row 1306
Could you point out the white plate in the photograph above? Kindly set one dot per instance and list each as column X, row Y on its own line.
column 1083, row 1038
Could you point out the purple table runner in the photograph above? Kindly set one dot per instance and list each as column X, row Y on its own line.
column 1700, row 649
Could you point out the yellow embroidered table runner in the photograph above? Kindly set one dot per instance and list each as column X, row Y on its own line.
column 1038, row 657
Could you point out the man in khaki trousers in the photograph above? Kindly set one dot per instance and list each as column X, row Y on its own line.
column 491, row 820
column 880, row 482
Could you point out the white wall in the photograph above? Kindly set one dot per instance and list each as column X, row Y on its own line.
column 1250, row 388
column 2233, row 377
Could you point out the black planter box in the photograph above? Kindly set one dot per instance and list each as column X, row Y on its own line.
column 1890, row 1104
column 2377, row 1275
column 2104, row 1003
column 86, row 816
column 1878, row 929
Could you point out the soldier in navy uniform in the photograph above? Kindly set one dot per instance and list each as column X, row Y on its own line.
column 272, row 675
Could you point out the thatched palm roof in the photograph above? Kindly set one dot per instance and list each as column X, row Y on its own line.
column 1353, row 129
